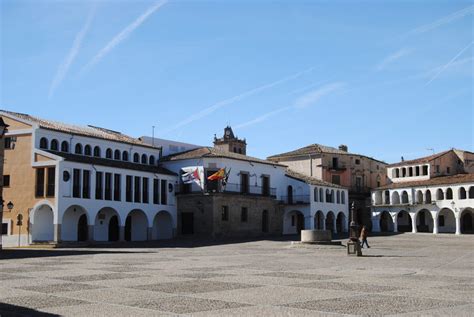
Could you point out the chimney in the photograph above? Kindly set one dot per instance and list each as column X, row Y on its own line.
column 343, row 147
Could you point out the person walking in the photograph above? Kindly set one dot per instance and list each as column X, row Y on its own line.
column 363, row 236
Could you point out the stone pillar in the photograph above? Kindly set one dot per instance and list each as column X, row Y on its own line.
column 334, row 224
column 90, row 233
column 309, row 223
column 375, row 224
column 395, row 224
column 324, row 223
column 458, row 224
column 435, row 224
column 122, row 233
column 413, row 223
column 149, row 235
column 57, row 232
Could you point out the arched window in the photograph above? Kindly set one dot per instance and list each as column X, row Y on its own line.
column 44, row 143
column 144, row 159
column 439, row 194
column 343, row 198
column 410, row 171
column 404, row 197
column 97, row 151
column 462, row 193
column 449, row 194
column 419, row 197
column 315, row 194
column 108, row 153
column 125, row 156
column 338, row 197
column 87, row 150
column 64, row 146
column 240, row 151
column 78, row 148
column 136, row 158
column 404, row 172
column 54, row 145
column 428, row 196
column 387, row 197
column 328, row 196
column 395, row 198
column 321, row 195
column 397, row 173
column 152, row 160
column 417, row 171
column 471, row 192
column 117, row 155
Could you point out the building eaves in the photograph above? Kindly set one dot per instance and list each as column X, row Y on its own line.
column 310, row 180
column 442, row 180
column 425, row 159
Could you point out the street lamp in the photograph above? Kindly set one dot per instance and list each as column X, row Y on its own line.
column 3, row 130
column 353, row 245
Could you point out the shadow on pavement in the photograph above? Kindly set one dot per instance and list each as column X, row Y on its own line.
column 7, row 254
column 12, row 310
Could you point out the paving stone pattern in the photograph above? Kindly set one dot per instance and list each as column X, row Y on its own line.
column 406, row 274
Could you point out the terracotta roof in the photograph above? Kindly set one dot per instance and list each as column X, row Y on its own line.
column 88, row 131
column 203, row 152
column 309, row 179
column 442, row 180
column 420, row 160
column 315, row 149
column 112, row 163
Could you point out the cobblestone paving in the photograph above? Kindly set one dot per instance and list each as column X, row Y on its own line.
column 408, row 275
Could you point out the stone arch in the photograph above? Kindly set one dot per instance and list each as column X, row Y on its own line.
column 162, row 226
column 387, row 197
column 117, row 155
column 136, row 226
column 315, row 194
column 321, row 195
column 107, row 225
column 378, row 198
column 43, row 143
column 467, row 221
column 341, row 222
column 319, row 223
column 144, row 159
column 428, row 196
column 330, row 222
column 446, row 221
column 471, row 192
column 78, row 148
column 462, row 193
column 87, row 150
column 125, row 156
column 404, row 222
column 54, row 145
column 293, row 222
column 419, row 197
column 439, row 194
column 395, row 198
column 108, row 153
column 151, row 160
column 97, row 151
column 42, row 223
column 73, row 227
column 65, row 146
column 449, row 193
column 424, row 221
column 386, row 222
column 338, row 197
column 405, row 197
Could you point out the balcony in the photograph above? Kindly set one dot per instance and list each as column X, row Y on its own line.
column 337, row 167
column 229, row 189
column 296, row 200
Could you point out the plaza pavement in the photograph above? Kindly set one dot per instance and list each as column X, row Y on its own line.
column 406, row 274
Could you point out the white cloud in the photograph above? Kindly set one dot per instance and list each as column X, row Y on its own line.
column 392, row 58
column 314, row 96
column 262, row 117
column 69, row 59
column 123, row 35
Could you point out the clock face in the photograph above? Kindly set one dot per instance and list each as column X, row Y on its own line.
column 227, row 133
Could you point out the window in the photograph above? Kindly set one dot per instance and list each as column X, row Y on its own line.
column 98, row 185
column 335, row 162
column 265, row 185
column 50, row 188
column 425, row 169
column 152, row 160
column 117, row 155
column 397, row 173
column 437, row 168
column 54, row 145
column 315, row 194
column 78, row 148
column 225, row 213
column 441, row 221
column 448, row 170
column 86, row 184
column 108, row 186
column 164, row 197
column 43, row 143
column 137, row 193
column 87, row 150
column 357, row 161
column 145, row 190
column 64, row 147
column 417, row 171
column 144, row 159
column 117, row 187
column 108, row 153
column 125, row 156
column 136, row 158
column 293, row 220
column 343, row 198
column 244, row 214
column 96, row 151
column 410, row 171
column 156, row 191
column 8, row 143
column 6, row 180
column 128, row 188
column 76, row 183
column 244, row 183
column 336, row 179
column 449, row 193
column 4, row 228
column 358, row 182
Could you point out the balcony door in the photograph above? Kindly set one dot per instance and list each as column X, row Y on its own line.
column 244, row 183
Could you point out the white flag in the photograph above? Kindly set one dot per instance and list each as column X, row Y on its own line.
column 193, row 174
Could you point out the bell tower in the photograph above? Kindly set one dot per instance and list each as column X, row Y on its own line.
column 230, row 143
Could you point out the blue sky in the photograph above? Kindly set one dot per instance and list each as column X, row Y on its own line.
column 387, row 78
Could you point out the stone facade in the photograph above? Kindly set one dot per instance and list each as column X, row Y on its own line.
column 208, row 219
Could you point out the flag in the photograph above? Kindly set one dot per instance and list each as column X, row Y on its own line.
column 226, row 178
column 193, row 174
column 220, row 174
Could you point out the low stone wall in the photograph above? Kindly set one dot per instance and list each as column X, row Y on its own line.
column 311, row 236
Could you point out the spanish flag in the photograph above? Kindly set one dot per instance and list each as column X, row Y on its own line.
column 220, row 174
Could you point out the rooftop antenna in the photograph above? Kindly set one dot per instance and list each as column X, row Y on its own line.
column 432, row 150
column 152, row 135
